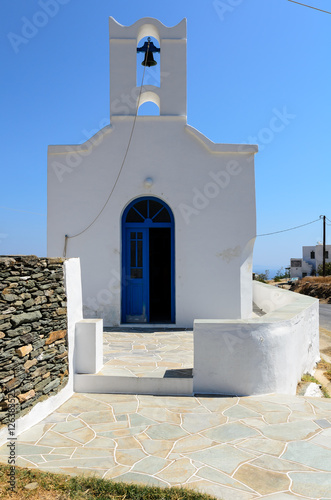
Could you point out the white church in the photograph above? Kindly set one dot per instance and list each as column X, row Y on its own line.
column 162, row 219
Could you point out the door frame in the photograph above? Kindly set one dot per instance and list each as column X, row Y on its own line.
column 147, row 224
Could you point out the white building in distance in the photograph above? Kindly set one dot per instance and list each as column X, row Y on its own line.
column 163, row 219
column 312, row 258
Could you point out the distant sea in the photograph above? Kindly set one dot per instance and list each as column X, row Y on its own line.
column 272, row 270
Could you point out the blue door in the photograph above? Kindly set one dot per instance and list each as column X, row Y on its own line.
column 136, row 275
column 148, row 262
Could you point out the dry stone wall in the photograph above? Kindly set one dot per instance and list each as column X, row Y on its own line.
column 33, row 331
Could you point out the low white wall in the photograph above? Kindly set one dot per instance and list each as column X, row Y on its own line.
column 269, row 298
column 89, row 346
column 74, row 314
column 261, row 355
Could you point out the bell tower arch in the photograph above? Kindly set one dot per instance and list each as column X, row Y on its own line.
column 170, row 96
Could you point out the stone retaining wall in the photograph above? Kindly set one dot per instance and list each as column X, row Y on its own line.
column 33, row 331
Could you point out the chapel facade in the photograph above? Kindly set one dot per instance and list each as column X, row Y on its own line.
column 162, row 219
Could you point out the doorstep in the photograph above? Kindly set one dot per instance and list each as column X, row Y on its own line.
column 143, row 362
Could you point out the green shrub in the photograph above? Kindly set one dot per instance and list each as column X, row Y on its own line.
column 327, row 269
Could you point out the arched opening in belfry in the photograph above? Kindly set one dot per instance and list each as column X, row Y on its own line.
column 149, row 109
column 151, row 61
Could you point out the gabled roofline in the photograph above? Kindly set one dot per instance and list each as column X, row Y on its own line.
column 221, row 148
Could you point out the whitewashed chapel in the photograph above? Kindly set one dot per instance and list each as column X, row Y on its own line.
column 163, row 219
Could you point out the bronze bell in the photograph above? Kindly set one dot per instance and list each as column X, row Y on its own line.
column 148, row 48
column 149, row 60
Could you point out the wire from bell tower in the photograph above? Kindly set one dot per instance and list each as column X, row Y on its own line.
column 67, row 237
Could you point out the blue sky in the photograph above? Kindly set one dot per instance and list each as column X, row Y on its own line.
column 248, row 62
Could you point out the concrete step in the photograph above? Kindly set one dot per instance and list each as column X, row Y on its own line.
column 173, row 385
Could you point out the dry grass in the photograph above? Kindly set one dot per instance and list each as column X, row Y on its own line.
column 315, row 286
column 327, row 351
column 309, row 378
column 324, row 365
column 49, row 486
column 40, row 494
column 325, row 331
column 316, row 279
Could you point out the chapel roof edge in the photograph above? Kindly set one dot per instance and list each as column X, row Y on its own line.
column 217, row 147
column 117, row 30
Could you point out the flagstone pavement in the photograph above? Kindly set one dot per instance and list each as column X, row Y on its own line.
column 271, row 446
column 146, row 354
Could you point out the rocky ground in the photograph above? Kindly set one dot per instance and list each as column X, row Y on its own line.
column 317, row 287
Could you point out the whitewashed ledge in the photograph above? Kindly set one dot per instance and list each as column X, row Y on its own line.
column 262, row 355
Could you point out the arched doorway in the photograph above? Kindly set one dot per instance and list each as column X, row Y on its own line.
column 148, row 262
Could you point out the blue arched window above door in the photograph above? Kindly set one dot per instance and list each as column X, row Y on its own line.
column 148, row 210
column 148, row 262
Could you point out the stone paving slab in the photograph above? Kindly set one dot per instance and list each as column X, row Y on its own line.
column 273, row 446
column 154, row 354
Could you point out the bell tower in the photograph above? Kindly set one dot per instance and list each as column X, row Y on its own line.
column 170, row 96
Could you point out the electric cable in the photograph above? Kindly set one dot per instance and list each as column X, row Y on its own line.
column 67, row 237
column 310, row 7
column 290, row 229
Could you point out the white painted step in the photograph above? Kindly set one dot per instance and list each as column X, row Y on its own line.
column 107, row 384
